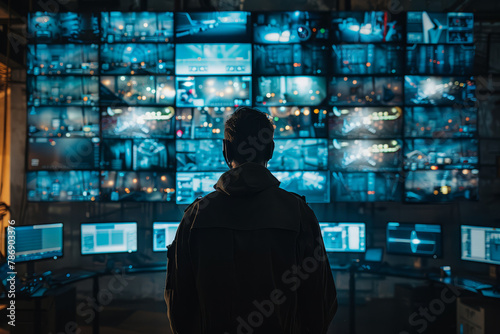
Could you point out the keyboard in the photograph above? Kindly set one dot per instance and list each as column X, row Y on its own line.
column 471, row 285
column 70, row 275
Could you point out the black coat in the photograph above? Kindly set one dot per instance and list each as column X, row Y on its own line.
column 249, row 258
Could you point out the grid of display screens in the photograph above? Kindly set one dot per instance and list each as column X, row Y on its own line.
column 367, row 106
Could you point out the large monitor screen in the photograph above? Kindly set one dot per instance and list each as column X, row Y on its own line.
column 441, row 185
column 366, row 187
column 38, row 242
column 65, row 59
column 63, row 91
column 201, row 122
column 440, row 122
column 314, row 186
column 297, row 59
column 200, row 155
column 69, row 186
column 107, row 238
column 134, row 58
column 46, row 27
column 299, row 154
column 365, row 155
column 137, row 122
column 225, row 91
column 212, row 27
column 365, row 122
column 298, row 122
column 420, row 90
column 190, row 186
column 369, row 91
column 441, row 154
column 137, row 27
column 414, row 239
column 366, row 27
column 358, row 59
column 163, row 235
column 435, row 28
column 439, row 59
column 344, row 237
column 63, row 153
column 480, row 244
column 290, row 27
column 138, row 89
column 213, row 59
column 291, row 90
column 63, row 122
column 137, row 186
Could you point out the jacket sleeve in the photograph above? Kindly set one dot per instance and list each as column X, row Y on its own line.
column 317, row 296
column 180, row 288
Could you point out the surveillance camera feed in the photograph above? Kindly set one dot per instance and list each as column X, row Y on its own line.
column 200, row 155
column 137, row 186
column 63, row 153
column 119, row 27
column 131, row 106
column 344, row 237
column 480, row 244
column 201, row 122
column 290, row 27
column 441, row 185
column 366, row 187
column 315, row 186
column 420, row 90
column 297, row 59
column 365, row 122
column 356, row 59
column 136, row 58
column 365, row 155
column 212, row 27
column 437, row 154
column 137, row 122
column 298, row 122
column 440, row 122
column 59, row 91
column 190, row 186
column 437, row 28
column 62, row 186
column 137, row 90
column 213, row 91
column 63, row 122
column 64, row 59
column 213, row 59
column 366, row 27
column 299, row 154
column 414, row 239
column 440, row 59
column 359, row 91
column 291, row 90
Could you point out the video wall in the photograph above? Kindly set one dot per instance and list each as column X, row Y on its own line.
column 367, row 106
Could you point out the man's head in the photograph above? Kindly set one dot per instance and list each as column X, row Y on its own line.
column 248, row 137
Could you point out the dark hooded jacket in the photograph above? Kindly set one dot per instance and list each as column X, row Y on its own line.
column 249, row 258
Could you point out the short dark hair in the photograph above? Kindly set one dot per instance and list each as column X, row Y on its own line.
column 250, row 134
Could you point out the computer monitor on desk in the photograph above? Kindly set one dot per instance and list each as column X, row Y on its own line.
column 414, row 239
column 163, row 235
column 480, row 244
column 36, row 242
column 105, row 238
column 344, row 237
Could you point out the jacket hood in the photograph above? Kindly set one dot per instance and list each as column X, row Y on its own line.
column 246, row 179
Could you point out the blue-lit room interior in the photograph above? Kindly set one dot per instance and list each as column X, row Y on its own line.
column 386, row 118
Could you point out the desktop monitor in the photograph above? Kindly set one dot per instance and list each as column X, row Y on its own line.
column 414, row 239
column 163, row 235
column 104, row 238
column 37, row 242
column 344, row 237
column 480, row 244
